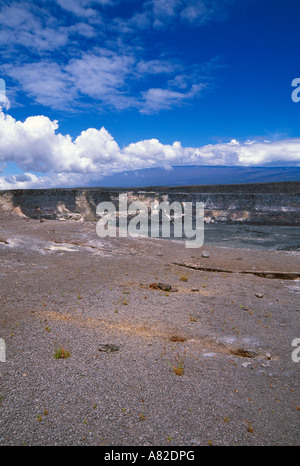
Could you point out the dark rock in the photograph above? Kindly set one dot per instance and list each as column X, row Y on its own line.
column 164, row 286
column 154, row 286
column 177, row 338
column 108, row 348
column 244, row 353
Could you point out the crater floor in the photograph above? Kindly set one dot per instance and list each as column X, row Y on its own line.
column 205, row 362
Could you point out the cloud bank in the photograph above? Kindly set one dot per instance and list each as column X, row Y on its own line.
column 48, row 158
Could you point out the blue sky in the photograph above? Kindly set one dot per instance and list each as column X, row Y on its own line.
column 97, row 87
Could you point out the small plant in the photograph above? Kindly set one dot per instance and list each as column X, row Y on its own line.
column 178, row 367
column 250, row 428
column 61, row 353
column 123, row 299
column 236, row 329
column 142, row 415
column 193, row 318
column 184, row 277
column 47, row 328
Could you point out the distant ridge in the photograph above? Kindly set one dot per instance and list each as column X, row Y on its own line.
column 282, row 187
column 198, row 179
column 198, row 175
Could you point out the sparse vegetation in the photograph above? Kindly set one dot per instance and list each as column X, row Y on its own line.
column 178, row 366
column 61, row 353
column 249, row 428
column 124, row 299
column 184, row 277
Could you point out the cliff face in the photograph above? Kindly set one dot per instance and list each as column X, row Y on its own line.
column 257, row 207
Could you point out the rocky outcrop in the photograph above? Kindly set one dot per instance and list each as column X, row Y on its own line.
column 255, row 205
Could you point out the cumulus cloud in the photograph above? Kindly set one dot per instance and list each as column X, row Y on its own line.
column 34, row 145
column 49, row 158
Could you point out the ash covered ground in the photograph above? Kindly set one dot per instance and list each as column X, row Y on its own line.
column 165, row 346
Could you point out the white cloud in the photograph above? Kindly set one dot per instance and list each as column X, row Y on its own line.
column 36, row 146
column 162, row 14
column 78, row 8
column 104, row 79
column 46, row 82
column 97, row 59
column 102, row 76
column 27, row 29
column 204, row 11
column 84, row 7
column 157, row 66
column 157, row 99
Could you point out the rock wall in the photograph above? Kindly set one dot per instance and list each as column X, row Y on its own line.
column 256, row 207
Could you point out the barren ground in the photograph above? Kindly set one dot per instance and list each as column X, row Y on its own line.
column 209, row 366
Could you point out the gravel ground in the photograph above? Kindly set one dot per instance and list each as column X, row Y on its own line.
column 211, row 366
